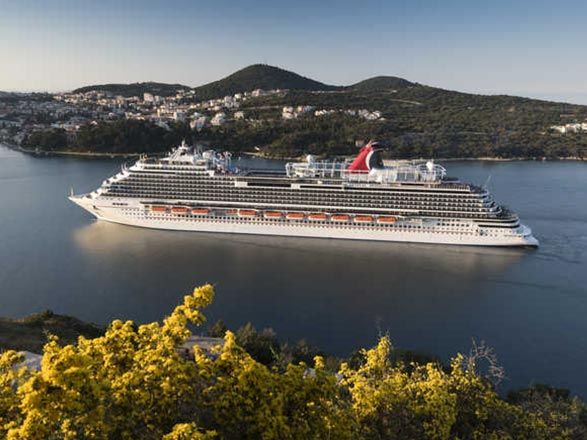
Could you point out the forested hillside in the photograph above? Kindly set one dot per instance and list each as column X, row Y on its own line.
column 413, row 120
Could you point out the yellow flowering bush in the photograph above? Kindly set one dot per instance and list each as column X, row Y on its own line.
column 132, row 383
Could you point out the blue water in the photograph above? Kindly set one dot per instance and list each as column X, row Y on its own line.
column 529, row 305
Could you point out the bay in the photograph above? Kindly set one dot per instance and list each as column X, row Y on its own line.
column 529, row 305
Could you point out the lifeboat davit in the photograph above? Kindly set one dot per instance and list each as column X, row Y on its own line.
column 363, row 219
column 295, row 215
column 179, row 209
column 247, row 213
column 201, row 211
column 317, row 217
column 272, row 214
column 386, row 220
column 339, row 218
column 159, row 208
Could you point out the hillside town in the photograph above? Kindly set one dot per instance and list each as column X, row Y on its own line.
column 22, row 114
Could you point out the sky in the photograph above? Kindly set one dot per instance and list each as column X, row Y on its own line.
column 527, row 48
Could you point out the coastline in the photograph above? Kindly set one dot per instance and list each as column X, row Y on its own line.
column 255, row 154
column 63, row 153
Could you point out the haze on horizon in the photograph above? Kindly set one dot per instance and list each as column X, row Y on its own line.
column 526, row 48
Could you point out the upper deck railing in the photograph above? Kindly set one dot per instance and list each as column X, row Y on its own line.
column 397, row 172
column 184, row 156
column 401, row 171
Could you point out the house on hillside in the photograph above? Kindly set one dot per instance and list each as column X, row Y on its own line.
column 199, row 123
column 218, row 119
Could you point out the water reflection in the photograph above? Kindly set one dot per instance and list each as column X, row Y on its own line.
column 339, row 292
column 183, row 250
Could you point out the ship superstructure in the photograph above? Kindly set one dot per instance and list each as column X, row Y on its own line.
column 196, row 190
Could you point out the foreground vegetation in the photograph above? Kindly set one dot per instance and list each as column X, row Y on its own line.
column 30, row 332
column 133, row 383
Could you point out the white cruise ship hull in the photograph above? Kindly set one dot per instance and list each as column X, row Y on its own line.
column 136, row 216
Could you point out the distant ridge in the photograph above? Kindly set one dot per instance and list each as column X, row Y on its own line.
column 259, row 76
column 256, row 76
column 379, row 83
column 134, row 89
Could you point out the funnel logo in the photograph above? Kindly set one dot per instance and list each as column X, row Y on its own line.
column 369, row 158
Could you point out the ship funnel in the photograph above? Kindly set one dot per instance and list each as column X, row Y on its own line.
column 368, row 158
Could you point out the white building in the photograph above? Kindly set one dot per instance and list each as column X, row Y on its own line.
column 301, row 109
column 218, row 119
column 324, row 112
column 575, row 127
column 239, row 115
column 199, row 123
column 148, row 97
column 287, row 113
column 228, row 101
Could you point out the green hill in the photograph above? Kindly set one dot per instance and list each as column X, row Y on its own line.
column 135, row 89
column 380, row 83
column 415, row 120
column 259, row 76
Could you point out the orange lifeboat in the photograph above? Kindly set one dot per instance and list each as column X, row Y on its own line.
column 295, row 215
column 159, row 208
column 317, row 216
column 247, row 213
column 232, row 211
column 272, row 214
column 339, row 218
column 201, row 211
column 179, row 209
column 386, row 220
column 363, row 219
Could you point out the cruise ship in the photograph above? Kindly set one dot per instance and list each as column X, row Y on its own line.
column 360, row 199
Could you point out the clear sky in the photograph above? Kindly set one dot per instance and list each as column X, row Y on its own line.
column 531, row 48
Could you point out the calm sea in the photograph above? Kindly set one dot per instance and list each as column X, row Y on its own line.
column 529, row 305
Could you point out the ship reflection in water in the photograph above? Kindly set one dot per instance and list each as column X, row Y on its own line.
column 337, row 293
